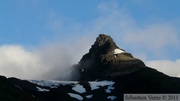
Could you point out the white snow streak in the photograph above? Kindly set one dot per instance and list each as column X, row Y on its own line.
column 76, row 96
column 112, row 97
column 89, row 96
column 42, row 89
column 51, row 83
column 118, row 51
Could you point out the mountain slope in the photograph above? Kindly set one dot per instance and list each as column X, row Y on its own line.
column 12, row 92
column 49, row 90
column 106, row 60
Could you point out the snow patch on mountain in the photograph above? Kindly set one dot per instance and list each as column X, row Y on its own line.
column 75, row 85
column 96, row 85
column 111, row 97
column 109, row 89
column 89, row 96
column 76, row 96
column 79, row 88
column 118, row 51
column 42, row 89
column 51, row 83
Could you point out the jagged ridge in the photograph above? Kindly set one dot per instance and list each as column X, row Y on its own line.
column 105, row 59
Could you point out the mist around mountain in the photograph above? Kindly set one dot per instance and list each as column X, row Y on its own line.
column 105, row 73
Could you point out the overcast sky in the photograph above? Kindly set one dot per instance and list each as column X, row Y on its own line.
column 40, row 39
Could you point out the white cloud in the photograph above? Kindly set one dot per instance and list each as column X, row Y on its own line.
column 50, row 61
column 16, row 61
column 153, row 37
column 168, row 67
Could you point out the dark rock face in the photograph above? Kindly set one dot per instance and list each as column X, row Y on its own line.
column 106, row 60
column 12, row 92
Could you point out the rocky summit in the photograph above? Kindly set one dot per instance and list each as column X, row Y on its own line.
column 106, row 60
column 105, row 73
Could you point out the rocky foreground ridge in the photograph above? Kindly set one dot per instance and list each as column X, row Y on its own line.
column 105, row 73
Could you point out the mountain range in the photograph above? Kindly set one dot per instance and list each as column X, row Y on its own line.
column 105, row 73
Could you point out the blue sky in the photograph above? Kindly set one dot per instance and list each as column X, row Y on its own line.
column 25, row 20
column 149, row 29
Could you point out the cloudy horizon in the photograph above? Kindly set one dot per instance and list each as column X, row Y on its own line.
column 41, row 39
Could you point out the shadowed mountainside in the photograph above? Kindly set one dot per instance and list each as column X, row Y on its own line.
column 105, row 60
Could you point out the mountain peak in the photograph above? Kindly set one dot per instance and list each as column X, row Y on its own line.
column 103, row 45
column 105, row 59
column 103, row 39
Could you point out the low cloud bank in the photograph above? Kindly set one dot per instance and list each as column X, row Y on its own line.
column 54, row 61
column 168, row 67
column 47, row 62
